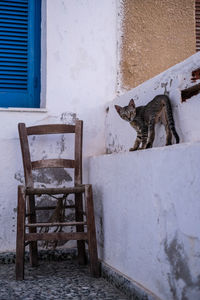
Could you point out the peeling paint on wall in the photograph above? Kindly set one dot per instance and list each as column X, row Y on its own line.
column 180, row 279
column 113, row 145
column 98, row 208
column 68, row 118
column 19, row 176
column 52, row 176
column 190, row 92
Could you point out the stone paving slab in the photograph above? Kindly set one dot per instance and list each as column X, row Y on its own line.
column 55, row 280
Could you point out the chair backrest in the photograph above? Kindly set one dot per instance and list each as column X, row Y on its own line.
column 29, row 165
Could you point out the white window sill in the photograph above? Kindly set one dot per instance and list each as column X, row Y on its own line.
column 23, row 109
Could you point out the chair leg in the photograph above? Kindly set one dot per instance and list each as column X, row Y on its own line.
column 33, row 251
column 20, row 247
column 80, row 228
column 33, row 254
column 92, row 244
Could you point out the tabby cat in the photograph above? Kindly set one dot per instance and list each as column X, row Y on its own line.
column 144, row 118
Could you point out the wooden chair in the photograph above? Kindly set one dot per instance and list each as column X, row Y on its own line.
column 28, row 232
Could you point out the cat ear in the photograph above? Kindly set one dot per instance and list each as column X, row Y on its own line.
column 131, row 103
column 118, row 108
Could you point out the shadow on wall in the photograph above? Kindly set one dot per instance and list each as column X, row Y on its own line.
column 99, row 219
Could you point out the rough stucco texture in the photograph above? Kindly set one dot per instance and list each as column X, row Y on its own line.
column 155, row 35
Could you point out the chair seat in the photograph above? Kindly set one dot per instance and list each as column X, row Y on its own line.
column 53, row 191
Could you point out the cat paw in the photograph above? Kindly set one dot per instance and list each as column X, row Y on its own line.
column 149, row 145
column 132, row 149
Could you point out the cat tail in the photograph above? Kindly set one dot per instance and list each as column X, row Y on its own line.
column 171, row 119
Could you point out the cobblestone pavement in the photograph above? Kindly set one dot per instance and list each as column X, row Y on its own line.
column 55, row 280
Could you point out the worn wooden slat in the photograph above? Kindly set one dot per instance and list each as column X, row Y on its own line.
column 19, row 266
column 55, row 224
column 25, row 155
column 189, row 92
column 92, row 244
column 56, row 236
column 53, row 163
column 78, row 152
column 54, row 191
column 50, row 129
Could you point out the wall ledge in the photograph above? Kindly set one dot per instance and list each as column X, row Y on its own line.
column 174, row 147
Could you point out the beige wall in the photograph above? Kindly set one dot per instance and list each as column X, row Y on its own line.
column 156, row 34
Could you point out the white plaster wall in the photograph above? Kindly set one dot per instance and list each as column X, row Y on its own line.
column 78, row 78
column 81, row 62
column 148, row 217
column 120, row 135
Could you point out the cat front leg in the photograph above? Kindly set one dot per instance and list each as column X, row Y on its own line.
column 144, row 137
column 136, row 144
column 144, row 142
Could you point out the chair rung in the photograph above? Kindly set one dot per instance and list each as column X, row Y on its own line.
column 54, row 236
column 55, row 224
column 51, row 207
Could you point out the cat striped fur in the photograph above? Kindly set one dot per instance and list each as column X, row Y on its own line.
column 144, row 118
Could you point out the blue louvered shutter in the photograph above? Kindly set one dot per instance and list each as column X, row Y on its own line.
column 20, row 53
